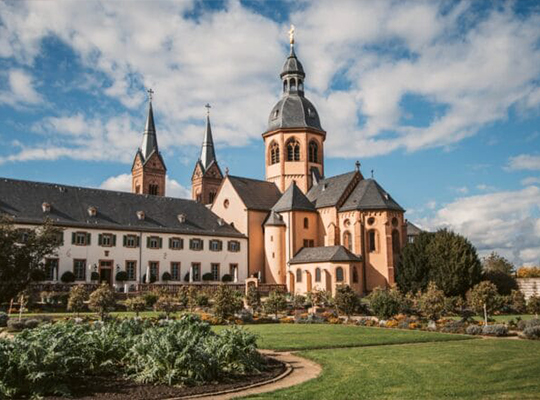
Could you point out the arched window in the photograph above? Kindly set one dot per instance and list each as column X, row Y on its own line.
column 292, row 84
column 396, row 248
column 274, row 153
column 284, row 86
column 212, row 196
column 306, row 223
column 293, row 150
column 153, row 189
column 300, row 85
column 347, row 240
column 313, row 152
column 372, row 239
column 354, row 275
column 317, row 274
column 298, row 275
column 339, row 274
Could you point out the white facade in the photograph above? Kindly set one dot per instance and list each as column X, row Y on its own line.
column 107, row 259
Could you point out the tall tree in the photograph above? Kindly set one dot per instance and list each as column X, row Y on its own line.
column 500, row 272
column 22, row 255
column 412, row 273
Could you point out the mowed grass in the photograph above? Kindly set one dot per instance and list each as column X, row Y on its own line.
column 304, row 337
column 470, row 369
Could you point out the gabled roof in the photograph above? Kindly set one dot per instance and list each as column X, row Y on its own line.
column 255, row 194
column 324, row 254
column 369, row 195
column 413, row 230
column 293, row 200
column 115, row 210
column 329, row 191
column 274, row 219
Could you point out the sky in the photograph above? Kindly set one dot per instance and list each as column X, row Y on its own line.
column 439, row 100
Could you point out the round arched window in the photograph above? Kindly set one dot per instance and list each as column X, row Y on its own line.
column 226, row 203
column 394, row 222
column 371, row 221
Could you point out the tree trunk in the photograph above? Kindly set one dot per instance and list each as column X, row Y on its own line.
column 485, row 315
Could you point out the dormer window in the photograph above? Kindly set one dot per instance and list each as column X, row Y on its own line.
column 276, row 114
column 92, row 211
column 46, row 207
column 140, row 215
column 181, row 218
column 220, row 222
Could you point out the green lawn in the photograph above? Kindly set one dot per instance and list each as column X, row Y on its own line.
column 305, row 337
column 471, row 369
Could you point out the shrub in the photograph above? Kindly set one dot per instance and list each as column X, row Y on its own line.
column 533, row 305
column 320, row 298
column 523, row 324
column 532, row 332
column 385, row 303
column 202, row 299
column 518, row 302
column 121, row 276
column 166, row 304
column 207, row 277
column 253, row 298
column 94, row 276
column 102, row 300
column 310, row 319
column 474, row 330
column 483, row 298
column 3, row 319
column 495, row 330
column 226, row 278
column 275, row 303
column 31, row 323
column 347, row 301
column 500, row 272
column 226, row 302
column 186, row 277
column 150, row 298
column 432, row 302
column 16, row 325
column 68, row 277
column 454, row 327
column 298, row 301
column 77, row 296
column 528, row 272
column 136, row 304
column 166, row 276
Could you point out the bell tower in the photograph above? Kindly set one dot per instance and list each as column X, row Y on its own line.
column 207, row 176
column 294, row 140
column 148, row 171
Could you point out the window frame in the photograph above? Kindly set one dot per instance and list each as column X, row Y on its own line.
column 215, row 274
column 176, row 239
column 340, row 274
column 231, row 246
column 81, row 277
column 178, row 275
column 198, row 247
column 131, row 277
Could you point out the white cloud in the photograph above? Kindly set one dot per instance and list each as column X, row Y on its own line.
column 531, row 180
column 506, row 222
column 21, row 89
column 122, row 183
column 524, row 162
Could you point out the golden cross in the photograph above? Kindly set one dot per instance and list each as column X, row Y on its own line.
column 291, row 34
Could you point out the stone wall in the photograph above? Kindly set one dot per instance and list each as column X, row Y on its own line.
column 529, row 286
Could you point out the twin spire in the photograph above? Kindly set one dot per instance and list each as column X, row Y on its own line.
column 149, row 143
column 208, row 154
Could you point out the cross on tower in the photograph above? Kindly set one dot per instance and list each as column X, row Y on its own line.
column 208, row 107
column 150, row 93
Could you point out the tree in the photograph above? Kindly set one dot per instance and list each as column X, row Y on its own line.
column 347, row 301
column 21, row 261
column 533, row 305
column 77, row 296
column 385, row 303
column 444, row 257
column 226, row 302
column 275, row 303
column 166, row 304
column 483, row 298
column 253, row 298
column 136, row 304
column 499, row 271
column 102, row 300
column 412, row 272
column 432, row 302
column 518, row 302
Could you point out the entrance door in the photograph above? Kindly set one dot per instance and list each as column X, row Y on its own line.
column 105, row 272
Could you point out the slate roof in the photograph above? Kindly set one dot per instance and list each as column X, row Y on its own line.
column 412, row 229
column 149, row 142
column 329, row 191
column 115, row 210
column 256, row 194
column 293, row 200
column 294, row 111
column 324, row 254
column 208, row 154
column 369, row 195
column 274, row 219
column 292, row 65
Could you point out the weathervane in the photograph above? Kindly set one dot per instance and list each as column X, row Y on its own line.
column 150, row 93
column 291, row 35
column 208, row 107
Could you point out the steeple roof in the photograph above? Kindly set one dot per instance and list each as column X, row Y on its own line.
column 293, row 200
column 149, row 142
column 208, row 154
column 292, row 65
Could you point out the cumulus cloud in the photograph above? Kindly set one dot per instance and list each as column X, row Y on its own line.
column 524, row 162
column 531, row 180
column 21, row 89
column 468, row 67
column 122, row 183
column 507, row 222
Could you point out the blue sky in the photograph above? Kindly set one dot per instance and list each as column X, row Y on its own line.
column 440, row 99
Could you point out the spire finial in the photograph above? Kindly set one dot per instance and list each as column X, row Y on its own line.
column 372, row 172
column 208, row 107
column 291, row 35
column 150, row 94
column 357, row 165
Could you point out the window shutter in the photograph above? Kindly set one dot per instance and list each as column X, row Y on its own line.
column 170, row 243
column 88, row 239
column 73, row 237
column 181, row 243
column 100, row 239
column 160, row 243
column 202, row 244
column 138, row 241
column 114, row 240
column 220, row 245
column 125, row 240
column 148, row 242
